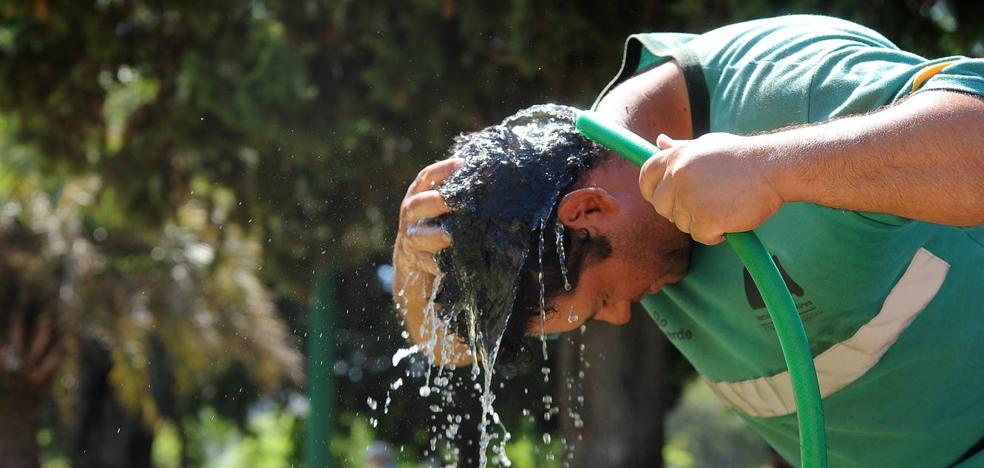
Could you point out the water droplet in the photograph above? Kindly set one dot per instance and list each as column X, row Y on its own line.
column 546, row 437
column 372, row 403
column 400, row 354
column 425, row 391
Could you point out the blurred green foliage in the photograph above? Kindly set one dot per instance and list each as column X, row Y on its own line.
column 702, row 431
column 204, row 158
column 265, row 441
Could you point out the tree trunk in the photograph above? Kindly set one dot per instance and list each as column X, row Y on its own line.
column 628, row 386
column 105, row 434
column 20, row 419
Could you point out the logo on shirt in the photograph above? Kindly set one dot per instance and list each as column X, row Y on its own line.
column 752, row 293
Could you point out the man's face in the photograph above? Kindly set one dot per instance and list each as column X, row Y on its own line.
column 605, row 292
column 647, row 251
column 607, row 288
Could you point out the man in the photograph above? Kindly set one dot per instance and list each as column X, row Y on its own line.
column 861, row 168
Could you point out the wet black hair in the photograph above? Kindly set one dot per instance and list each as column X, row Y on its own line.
column 504, row 202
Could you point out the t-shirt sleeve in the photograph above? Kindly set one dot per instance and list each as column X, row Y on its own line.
column 855, row 80
column 643, row 52
column 961, row 74
column 760, row 75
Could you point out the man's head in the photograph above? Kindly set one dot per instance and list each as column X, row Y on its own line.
column 531, row 191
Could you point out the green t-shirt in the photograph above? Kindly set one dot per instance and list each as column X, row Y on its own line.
column 891, row 306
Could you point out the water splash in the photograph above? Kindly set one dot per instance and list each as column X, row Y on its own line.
column 402, row 353
column 513, row 176
column 430, row 342
column 489, row 415
column 506, row 190
column 396, row 384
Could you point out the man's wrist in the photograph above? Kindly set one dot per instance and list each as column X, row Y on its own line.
column 786, row 162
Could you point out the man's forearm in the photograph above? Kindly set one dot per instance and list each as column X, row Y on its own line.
column 922, row 159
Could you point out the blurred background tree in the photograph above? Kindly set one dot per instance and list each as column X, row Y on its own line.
column 172, row 175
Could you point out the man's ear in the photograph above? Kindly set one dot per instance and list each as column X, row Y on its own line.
column 587, row 208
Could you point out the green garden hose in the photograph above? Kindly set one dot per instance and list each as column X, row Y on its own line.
column 778, row 300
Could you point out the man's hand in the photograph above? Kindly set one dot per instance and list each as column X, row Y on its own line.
column 418, row 240
column 415, row 269
column 716, row 184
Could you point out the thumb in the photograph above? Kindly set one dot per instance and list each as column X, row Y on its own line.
column 663, row 141
column 651, row 174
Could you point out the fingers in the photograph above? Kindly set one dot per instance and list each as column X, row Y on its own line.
column 425, row 262
column 705, row 234
column 675, row 211
column 663, row 141
column 682, row 218
column 433, row 176
column 415, row 253
column 428, row 239
column 422, row 206
column 664, row 201
column 657, row 187
column 418, row 242
column 651, row 175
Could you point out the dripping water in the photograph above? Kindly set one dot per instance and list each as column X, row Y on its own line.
column 430, row 317
column 559, row 236
column 543, row 293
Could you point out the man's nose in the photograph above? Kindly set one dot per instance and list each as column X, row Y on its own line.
column 615, row 313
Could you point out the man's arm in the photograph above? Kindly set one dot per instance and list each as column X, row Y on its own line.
column 921, row 159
